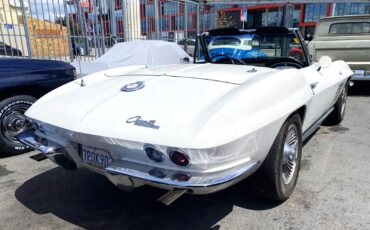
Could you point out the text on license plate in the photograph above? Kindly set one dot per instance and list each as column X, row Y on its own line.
column 96, row 157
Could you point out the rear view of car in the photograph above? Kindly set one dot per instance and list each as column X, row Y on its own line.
column 344, row 38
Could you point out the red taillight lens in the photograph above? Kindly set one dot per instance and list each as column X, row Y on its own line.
column 179, row 158
column 181, row 177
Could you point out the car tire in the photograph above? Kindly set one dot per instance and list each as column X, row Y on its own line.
column 337, row 115
column 12, row 122
column 278, row 174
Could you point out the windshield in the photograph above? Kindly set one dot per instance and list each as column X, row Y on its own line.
column 250, row 47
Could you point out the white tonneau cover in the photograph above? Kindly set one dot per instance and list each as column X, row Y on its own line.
column 143, row 52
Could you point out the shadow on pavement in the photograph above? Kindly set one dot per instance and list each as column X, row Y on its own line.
column 360, row 88
column 90, row 201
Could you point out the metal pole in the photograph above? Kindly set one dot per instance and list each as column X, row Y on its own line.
column 51, row 35
column 62, row 34
column 45, row 31
column 20, row 32
column 98, row 40
column 334, row 5
column 146, row 19
column 198, row 19
column 68, row 30
column 34, row 32
column 38, row 27
column 156, row 19
column 2, row 35
column 93, row 23
column 100, row 12
column 15, row 37
column 59, row 45
column 113, row 18
column 185, row 20
column 7, row 31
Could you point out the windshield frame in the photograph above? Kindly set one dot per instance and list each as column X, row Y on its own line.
column 201, row 43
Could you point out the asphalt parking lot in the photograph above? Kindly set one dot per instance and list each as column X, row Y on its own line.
column 333, row 192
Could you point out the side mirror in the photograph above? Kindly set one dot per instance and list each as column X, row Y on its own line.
column 325, row 61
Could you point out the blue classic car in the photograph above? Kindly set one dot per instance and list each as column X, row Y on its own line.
column 236, row 47
column 22, row 81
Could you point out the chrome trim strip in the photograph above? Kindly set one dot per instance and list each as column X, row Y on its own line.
column 30, row 139
column 315, row 125
column 199, row 183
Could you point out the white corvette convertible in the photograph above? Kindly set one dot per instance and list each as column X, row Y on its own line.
column 196, row 128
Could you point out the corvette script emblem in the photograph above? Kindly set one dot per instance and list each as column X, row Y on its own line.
column 143, row 123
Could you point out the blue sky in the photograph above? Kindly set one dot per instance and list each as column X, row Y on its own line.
column 46, row 9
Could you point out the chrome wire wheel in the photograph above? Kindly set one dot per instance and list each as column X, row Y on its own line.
column 14, row 122
column 290, row 153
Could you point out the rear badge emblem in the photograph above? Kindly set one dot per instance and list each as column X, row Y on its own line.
column 143, row 123
column 133, row 86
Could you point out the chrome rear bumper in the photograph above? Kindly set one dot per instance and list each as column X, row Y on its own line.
column 126, row 174
column 53, row 151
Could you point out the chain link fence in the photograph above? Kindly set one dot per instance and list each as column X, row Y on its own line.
column 86, row 29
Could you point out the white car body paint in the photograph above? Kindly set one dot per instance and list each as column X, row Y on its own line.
column 224, row 117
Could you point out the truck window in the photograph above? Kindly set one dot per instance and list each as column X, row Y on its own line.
column 350, row 28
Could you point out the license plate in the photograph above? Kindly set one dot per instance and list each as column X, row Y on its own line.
column 358, row 73
column 95, row 157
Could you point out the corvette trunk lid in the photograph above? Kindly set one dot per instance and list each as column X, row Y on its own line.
column 233, row 74
column 172, row 106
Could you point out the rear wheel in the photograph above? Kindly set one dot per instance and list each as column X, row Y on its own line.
column 13, row 122
column 278, row 174
column 337, row 115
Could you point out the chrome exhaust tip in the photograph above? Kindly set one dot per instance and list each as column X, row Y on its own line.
column 170, row 196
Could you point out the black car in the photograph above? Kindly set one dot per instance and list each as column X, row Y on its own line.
column 9, row 51
column 22, row 82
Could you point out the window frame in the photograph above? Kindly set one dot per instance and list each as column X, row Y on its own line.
column 347, row 34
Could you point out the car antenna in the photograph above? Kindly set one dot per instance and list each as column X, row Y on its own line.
column 82, row 83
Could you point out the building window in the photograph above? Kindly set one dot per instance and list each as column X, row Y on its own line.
column 296, row 14
column 273, row 17
column 314, row 11
column 341, row 9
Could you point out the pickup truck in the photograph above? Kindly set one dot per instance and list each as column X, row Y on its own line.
column 22, row 82
column 344, row 38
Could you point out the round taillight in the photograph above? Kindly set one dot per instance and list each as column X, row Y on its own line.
column 181, row 177
column 153, row 153
column 157, row 173
column 179, row 158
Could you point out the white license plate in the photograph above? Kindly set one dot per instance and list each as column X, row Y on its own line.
column 95, row 157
